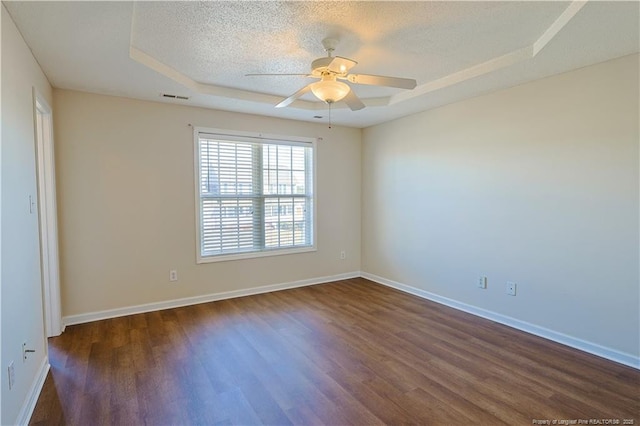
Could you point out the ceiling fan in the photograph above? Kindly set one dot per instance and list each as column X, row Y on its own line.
column 329, row 70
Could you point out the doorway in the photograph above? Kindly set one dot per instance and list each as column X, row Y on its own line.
column 48, row 217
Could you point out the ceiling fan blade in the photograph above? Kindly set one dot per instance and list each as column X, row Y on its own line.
column 380, row 80
column 288, row 101
column 353, row 101
column 258, row 75
column 341, row 65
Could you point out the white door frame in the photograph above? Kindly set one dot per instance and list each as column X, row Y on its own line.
column 48, row 216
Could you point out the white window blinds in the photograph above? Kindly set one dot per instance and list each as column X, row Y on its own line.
column 255, row 195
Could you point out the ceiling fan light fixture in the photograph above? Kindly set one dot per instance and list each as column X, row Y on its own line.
column 330, row 91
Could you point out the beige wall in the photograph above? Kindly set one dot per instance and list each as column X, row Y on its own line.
column 126, row 203
column 22, row 318
column 536, row 184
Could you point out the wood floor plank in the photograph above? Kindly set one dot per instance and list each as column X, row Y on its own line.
column 347, row 352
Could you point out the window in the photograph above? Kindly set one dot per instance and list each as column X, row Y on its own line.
column 254, row 195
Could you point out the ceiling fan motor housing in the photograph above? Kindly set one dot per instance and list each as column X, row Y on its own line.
column 320, row 65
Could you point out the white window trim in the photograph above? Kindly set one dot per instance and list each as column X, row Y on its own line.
column 236, row 135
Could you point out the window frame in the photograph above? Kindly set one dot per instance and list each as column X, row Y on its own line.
column 251, row 137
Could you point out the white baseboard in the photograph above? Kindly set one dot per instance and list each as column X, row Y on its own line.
column 583, row 345
column 34, row 392
column 176, row 303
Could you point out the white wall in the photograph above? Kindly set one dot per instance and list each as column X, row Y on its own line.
column 126, row 203
column 536, row 184
column 22, row 319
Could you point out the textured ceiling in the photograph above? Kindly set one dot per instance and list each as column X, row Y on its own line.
column 203, row 49
column 218, row 42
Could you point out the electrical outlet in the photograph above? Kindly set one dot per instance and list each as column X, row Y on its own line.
column 173, row 275
column 482, row 282
column 26, row 351
column 343, row 255
column 511, row 288
column 12, row 375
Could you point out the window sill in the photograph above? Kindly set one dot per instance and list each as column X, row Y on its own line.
column 253, row 254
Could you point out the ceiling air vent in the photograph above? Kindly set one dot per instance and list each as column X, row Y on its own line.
column 167, row 95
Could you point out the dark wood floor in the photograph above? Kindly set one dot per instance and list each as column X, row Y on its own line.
column 349, row 352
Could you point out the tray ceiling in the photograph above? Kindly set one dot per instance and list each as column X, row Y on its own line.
column 202, row 50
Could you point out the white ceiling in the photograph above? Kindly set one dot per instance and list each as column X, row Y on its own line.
column 454, row 50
